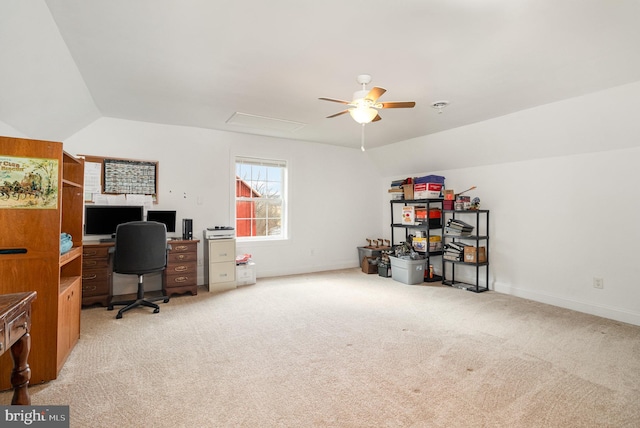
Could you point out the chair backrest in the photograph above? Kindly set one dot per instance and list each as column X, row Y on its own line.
column 141, row 247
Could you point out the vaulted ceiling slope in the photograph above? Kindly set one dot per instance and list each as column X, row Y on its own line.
column 197, row 62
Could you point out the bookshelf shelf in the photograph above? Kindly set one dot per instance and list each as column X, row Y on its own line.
column 430, row 226
column 473, row 273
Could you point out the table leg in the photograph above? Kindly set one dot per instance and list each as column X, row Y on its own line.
column 21, row 373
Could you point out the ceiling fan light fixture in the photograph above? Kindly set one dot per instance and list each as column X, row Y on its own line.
column 363, row 114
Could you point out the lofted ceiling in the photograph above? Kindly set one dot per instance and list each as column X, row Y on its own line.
column 199, row 62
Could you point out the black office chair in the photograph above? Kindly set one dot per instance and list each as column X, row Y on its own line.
column 141, row 247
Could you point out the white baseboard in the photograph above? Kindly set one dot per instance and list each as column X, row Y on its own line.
column 264, row 273
column 613, row 313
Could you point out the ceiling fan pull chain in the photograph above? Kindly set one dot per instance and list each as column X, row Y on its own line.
column 362, row 139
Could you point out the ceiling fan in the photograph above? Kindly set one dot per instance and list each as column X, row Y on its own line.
column 365, row 105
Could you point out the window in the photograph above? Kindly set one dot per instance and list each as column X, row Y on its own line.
column 261, row 198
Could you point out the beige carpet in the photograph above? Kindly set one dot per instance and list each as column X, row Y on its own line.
column 345, row 349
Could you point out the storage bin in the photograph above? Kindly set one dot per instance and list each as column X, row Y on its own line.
column 384, row 270
column 407, row 271
column 369, row 252
column 246, row 273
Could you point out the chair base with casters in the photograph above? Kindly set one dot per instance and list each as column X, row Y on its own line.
column 140, row 248
column 139, row 301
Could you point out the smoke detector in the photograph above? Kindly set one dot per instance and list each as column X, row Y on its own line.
column 439, row 105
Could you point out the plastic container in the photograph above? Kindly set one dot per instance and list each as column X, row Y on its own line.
column 407, row 271
column 246, row 273
column 369, row 252
column 384, row 270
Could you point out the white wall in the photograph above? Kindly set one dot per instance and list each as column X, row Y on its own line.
column 43, row 94
column 560, row 220
column 334, row 191
column 9, row 131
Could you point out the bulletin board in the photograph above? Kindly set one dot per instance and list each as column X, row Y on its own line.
column 126, row 176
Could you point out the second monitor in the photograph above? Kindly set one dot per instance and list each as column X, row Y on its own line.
column 166, row 217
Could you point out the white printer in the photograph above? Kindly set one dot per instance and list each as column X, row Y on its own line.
column 220, row 232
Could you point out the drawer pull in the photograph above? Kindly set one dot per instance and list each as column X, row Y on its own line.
column 181, row 279
column 222, row 255
column 90, row 262
column 89, row 288
column 89, row 277
column 181, row 268
column 90, row 253
column 23, row 325
column 181, row 248
column 181, row 257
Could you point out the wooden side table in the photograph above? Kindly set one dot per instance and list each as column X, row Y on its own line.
column 15, row 324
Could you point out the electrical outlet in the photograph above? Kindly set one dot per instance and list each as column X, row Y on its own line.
column 199, row 262
column 598, row 283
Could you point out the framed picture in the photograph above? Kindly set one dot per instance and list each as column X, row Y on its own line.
column 28, row 183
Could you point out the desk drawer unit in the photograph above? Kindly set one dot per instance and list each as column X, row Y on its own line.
column 181, row 274
column 96, row 274
column 221, row 263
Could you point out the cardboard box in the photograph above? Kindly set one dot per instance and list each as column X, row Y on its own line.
column 435, row 217
column 435, row 243
column 449, row 195
column 396, row 194
column 409, row 215
column 419, row 244
column 368, row 266
column 435, row 246
column 408, row 191
column 463, row 202
column 475, row 255
column 427, row 190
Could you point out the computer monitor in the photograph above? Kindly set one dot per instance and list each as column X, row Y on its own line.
column 104, row 219
column 166, row 217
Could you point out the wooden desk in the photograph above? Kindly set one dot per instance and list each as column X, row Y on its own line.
column 15, row 324
column 180, row 276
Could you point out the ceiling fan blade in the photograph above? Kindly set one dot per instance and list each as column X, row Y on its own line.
column 377, row 118
column 338, row 114
column 375, row 93
column 334, row 100
column 399, row 104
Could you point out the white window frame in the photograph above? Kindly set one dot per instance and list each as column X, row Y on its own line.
column 284, row 212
